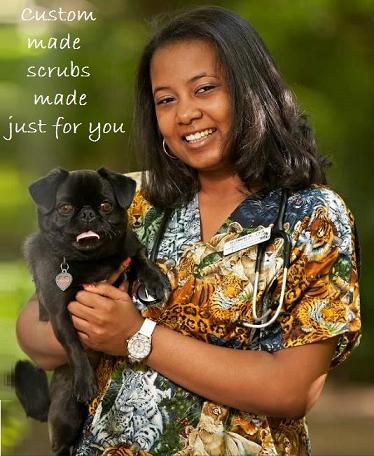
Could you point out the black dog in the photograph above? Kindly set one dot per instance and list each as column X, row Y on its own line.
column 83, row 238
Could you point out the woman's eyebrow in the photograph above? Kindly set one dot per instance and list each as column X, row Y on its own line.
column 201, row 75
column 193, row 79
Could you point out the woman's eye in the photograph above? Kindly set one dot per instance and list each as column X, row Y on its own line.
column 164, row 101
column 205, row 88
column 66, row 209
column 106, row 207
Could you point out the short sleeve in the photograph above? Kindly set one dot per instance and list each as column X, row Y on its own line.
column 322, row 295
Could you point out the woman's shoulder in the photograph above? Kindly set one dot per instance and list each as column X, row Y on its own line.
column 325, row 217
column 317, row 198
column 318, row 193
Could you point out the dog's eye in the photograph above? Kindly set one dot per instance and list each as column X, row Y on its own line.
column 106, row 207
column 66, row 209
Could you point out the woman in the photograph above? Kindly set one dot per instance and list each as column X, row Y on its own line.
column 222, row 136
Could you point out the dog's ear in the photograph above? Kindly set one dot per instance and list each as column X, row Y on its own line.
column 123, row 186
column 43, row 191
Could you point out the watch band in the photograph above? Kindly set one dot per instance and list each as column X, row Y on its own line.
column 147, row 327
column 139, row 346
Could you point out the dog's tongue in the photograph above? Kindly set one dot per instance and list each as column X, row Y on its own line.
column 87, row 234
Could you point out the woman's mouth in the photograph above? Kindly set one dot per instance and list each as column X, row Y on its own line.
column 198, row 136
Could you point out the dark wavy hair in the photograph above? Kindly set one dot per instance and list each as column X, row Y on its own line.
column 271, row 143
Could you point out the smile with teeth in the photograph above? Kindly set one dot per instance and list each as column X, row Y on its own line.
column 198, row 136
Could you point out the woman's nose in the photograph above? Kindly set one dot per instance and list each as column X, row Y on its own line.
column 187, row 111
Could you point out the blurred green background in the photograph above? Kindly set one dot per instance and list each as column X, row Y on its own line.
column 324, row 50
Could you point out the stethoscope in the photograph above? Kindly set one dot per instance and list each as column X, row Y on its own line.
column 277, row 231
column 141, row 293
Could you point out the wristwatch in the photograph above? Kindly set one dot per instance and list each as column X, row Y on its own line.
column 139, row 345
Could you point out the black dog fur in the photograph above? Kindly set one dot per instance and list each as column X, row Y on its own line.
column 70, row 203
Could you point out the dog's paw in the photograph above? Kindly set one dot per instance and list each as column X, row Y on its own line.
column 85, row 388
column 157, row 285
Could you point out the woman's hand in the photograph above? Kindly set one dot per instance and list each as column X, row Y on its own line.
column 105, row 317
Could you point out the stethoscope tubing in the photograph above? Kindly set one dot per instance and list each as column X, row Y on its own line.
column 277, row 231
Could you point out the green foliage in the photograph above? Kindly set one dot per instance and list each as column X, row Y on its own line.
column 14, row 424
column 15, row 288
column 188, row 413
column 209, row 259
column 323, row 48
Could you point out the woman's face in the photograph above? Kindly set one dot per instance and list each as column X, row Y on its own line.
column 192, row 104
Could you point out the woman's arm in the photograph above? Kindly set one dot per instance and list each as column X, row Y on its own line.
column 37, row 339
column 284, row 384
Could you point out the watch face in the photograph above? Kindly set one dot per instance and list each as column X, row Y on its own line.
column 139, row 346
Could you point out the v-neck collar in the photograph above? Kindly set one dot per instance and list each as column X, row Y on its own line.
column 184, row 227
column 258, row 195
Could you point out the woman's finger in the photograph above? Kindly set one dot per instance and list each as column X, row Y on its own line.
column 80, row 310
column 80, row 324
column 121, row 269
column 106, row 290
column 85, row 341
column 84, row 338
column 124, row 286
column 96, row 302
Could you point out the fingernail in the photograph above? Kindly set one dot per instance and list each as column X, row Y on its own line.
column 88, row 285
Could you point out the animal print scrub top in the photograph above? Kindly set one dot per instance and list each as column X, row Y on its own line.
column 140, row 412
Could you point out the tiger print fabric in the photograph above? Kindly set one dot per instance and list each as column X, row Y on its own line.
column 140, row 412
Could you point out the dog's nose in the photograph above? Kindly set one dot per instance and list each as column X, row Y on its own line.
column 87, row 215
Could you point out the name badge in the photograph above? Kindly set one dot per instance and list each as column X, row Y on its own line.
column 248, row 240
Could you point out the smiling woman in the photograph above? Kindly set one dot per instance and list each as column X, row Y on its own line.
column 192, row 104
column 231, row 363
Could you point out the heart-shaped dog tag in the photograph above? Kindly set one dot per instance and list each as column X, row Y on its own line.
column 63, row 280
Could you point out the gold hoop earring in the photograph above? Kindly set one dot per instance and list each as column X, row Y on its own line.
column 166, row 152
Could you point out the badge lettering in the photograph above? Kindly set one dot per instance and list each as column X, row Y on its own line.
column 247, row 240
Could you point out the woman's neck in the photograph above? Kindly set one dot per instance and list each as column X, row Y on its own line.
column 221, row 185
column 219, row 195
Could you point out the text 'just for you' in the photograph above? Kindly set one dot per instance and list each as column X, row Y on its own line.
column 61, row 126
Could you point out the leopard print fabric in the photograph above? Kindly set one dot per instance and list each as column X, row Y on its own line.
column 211, row 291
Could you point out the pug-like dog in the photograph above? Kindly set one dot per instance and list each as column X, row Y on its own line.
column 83, row 238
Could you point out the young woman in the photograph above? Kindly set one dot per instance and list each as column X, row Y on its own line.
column 236, row 359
